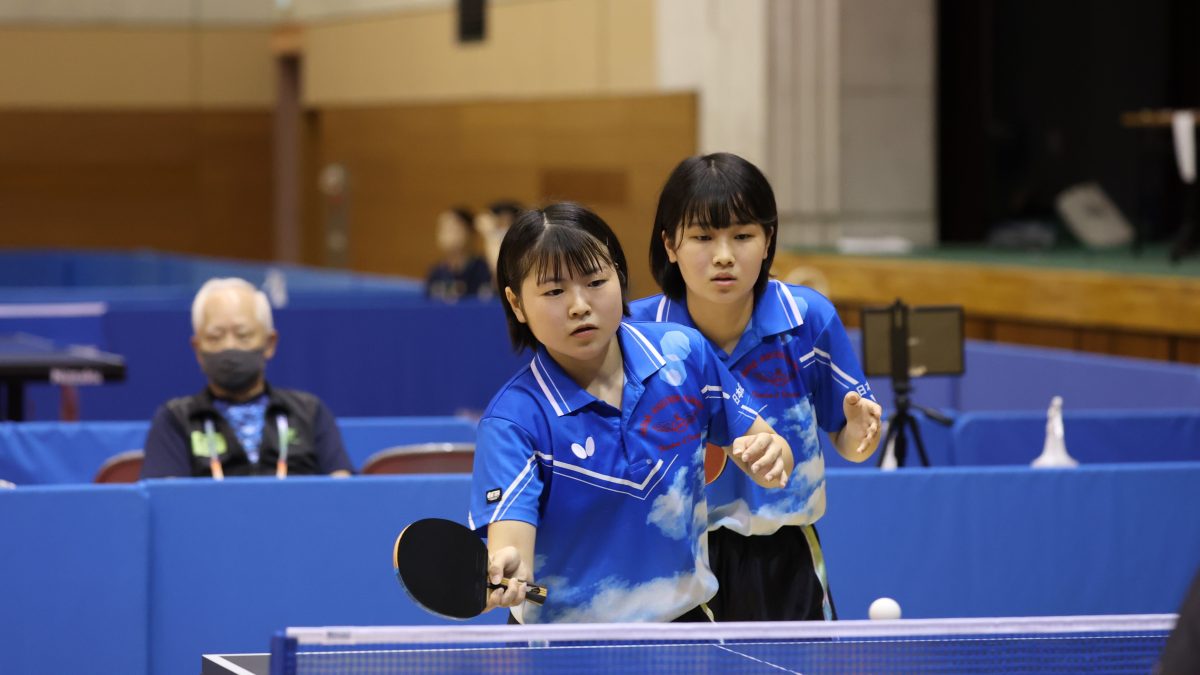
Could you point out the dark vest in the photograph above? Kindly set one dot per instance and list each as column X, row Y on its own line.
column 300, row 409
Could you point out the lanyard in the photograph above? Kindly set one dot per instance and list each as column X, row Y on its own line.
column 214, row 460
column 281, row 426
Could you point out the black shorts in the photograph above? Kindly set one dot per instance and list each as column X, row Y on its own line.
column 768, row 577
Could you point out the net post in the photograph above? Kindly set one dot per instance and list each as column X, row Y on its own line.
column 283, row 654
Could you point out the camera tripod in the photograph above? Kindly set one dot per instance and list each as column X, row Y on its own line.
column 902, row 423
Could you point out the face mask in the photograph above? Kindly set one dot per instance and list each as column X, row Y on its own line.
column 234, row 370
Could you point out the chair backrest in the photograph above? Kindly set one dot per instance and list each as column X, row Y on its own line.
column 125, row 467
column 422, row 458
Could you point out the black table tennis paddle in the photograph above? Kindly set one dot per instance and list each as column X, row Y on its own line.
column 443, row 565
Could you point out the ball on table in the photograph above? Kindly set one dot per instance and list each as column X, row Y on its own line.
column 884, row 609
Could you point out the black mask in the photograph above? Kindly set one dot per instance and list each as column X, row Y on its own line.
column 234, row 370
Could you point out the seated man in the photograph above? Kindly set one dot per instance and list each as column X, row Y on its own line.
column 239, row 415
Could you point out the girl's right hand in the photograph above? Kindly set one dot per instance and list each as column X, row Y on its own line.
column 766, row 456
column 506, row 563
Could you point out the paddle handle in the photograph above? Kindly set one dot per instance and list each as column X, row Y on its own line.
column 533, row 593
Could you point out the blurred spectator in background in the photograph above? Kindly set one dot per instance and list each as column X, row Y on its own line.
column 238, row 417
column 460, row 273
column 492, row 223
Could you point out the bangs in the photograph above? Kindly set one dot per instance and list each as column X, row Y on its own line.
column 716, row 203
column 562, row 252
column 719, row 211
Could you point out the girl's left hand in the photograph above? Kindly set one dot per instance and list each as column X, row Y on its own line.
column 862, row 422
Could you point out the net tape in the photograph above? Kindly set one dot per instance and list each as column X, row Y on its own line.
column 693, row 632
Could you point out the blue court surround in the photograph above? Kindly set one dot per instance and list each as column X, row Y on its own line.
column 1013, row 541
column 74, row 580
column 146, row 277
column 1092, row 436
column 1003, row 377
column 310, row 550
column 1015, row 438
column 363, row 359
column 368, row 345
column 39, row 453
column 374, row 347
column 226, row 564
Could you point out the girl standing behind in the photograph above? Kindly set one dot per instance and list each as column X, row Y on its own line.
column 711, row 253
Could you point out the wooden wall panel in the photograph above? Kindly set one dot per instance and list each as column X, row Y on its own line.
column 1123, row 343
column 1141, row 345
column 1187, row 350
column 146, row 66
column 186, row 181
column 850, row 314
column 978, row 329
column 123, row 66
column 235, row 68
column 533, row 49
column 1035, row 334
column 407, row 163
column 1108, row 313
column 1155, row 304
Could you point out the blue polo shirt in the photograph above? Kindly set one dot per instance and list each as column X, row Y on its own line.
column 617, row 496
column 798, row 363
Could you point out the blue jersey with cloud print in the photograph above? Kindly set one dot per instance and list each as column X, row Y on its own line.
column 798, row 363
column 617, row 496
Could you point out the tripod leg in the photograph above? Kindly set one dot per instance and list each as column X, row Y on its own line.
column 888, row 437
column 901, row 440
column 916, row 432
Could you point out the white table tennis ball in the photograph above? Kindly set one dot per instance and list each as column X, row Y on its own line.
column 884, row 609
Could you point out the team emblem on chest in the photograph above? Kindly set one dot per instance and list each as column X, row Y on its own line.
column 586, row 450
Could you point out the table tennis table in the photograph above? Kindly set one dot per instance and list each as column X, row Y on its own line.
column 1092, row 644
column 235, row 664
column 28, row 358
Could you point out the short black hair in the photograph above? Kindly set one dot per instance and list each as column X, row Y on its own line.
column 464, row 216
column 543, row 242
column 713, row 191
column 506, row 207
